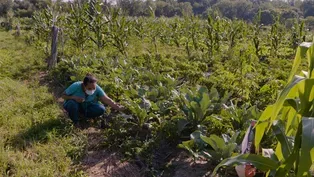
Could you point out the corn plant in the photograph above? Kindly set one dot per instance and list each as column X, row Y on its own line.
column 176, row 32
column 235, row 32
column 297, row 34
column 154, row 31
column 256, row 34
column 44, row 21
column 77, row 29
column 294, row 108
column 275, row 37
column 193, row 30
column 213, row 37
column 97, row 23
column 42, row 26
column 119, row 31
column 9, row 20
column 138, row 27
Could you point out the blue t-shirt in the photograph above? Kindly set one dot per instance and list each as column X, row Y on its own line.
column 76, row 90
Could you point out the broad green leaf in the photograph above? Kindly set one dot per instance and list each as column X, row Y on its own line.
column 197, row 110
column 262, row 124
column 310, row 59
column 278, row 151
column 281, row 137
column 283, row 95
column 289, row 120
column 254, row 112
column 228, row 149
column 293, row 103
column 301, row 51
column 234, row 137
column 306, row 146
column 262, row 163
column 202, row 90
column 214, row 141
column 287, row 164
column 213, row 155
column 260, row 129
column 266, row 113
column 284, row 113
column 225, row 98
column 214, row 94
column 306, row 93
column 312, row 154
column 205, row 102
column 188, row 145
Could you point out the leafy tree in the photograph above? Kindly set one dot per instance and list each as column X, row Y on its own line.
column 5, row 6
column 307, row 8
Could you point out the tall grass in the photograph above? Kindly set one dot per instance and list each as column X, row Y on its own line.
column 35, row 139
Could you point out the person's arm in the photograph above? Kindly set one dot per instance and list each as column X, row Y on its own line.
column 69, row 97
column 106, row 100
column 68, row 93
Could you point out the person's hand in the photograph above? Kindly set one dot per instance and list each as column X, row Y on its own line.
column 78, row 99
column 120, row 108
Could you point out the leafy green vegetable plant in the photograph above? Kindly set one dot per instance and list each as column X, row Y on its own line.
column 213, row 148
column 198, row 106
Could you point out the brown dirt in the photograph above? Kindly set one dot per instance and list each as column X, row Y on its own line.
column 184, row 166
column 102, row 163
column 105, row 164
column 99, row 162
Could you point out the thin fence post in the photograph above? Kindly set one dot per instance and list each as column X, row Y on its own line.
column 18, row 30
column 53, row 59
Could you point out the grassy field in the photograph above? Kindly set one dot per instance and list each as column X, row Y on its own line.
column 35, row 138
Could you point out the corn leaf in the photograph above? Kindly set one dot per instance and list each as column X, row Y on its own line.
column 301, row 51
column 214, row 141
column 287, row 164
column 286, row 148
column 306, row 146
column 262, row 163
column 262, row 124
column 283, row 95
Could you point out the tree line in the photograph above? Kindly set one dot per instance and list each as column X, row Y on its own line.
column 232, row 9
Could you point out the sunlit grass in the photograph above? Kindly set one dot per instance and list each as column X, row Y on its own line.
column 35, row 137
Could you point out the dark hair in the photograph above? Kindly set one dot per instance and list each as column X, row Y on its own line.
column 89, row 79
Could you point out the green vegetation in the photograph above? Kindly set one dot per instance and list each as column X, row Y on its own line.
column 290, row 116
column 35, row 139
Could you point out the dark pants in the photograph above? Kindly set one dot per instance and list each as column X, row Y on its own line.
column 90, row 111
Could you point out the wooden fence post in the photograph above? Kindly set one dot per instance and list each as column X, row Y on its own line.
column 18, row 30
column 53, row 59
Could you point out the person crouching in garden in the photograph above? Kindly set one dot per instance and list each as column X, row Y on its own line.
column 82, row 97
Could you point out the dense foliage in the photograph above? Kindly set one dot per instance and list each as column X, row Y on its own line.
column 240, row 9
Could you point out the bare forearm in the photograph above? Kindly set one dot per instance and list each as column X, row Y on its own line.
column 110, row 102
column 67, row 97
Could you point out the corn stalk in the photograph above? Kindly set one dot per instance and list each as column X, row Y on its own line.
column 119, row 31
column 97, row 23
